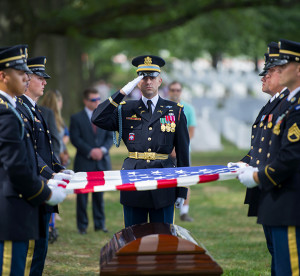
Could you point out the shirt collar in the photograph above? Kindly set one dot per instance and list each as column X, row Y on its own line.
column 88, row 112
column 293, row 93
column 10, row 99
column 274, row 97
column 154, row 101
column 31, row 100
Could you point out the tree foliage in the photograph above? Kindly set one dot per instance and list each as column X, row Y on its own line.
column 69, row 31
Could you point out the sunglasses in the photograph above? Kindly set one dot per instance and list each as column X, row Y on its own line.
column 95, row 99
column 175, row 90
column 148, row 74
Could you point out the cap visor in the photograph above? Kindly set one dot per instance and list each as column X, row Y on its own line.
column 42, row 74
column 279, row 62
column 148, row 74
column 263, row 73
column 22, row 67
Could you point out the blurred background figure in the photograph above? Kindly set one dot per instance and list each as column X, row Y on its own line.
column 92, row 144
column 54, row 101
column 174, row 93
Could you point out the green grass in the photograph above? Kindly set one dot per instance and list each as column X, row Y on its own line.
column 221, row 224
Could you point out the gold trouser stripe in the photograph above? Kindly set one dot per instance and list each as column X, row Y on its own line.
column 29, row 257
column 294, row 258
column 267, row 174
column 7, row 257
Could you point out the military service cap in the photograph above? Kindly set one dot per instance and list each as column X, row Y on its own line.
column 14, row 57
column 148, row 65
column 37, row 66
column 289, row 50
column 265, row 71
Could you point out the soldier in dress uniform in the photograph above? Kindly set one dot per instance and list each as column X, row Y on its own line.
column 48, row 164
column 150, row 128
column 262, row 129
column 279, row 177
column 21, row 189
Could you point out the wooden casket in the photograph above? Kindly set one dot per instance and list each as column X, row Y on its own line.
column 156, row 249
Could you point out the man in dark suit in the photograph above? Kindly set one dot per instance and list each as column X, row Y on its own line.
column 92, row 144
column 22, row 191
column 279, row 177
column 150, row 128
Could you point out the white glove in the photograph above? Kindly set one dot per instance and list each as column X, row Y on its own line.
column 62, row 176
column 58, row 195
column 131, row 85
column 238, row 164
column 179, row 202
column 53, row 183
column 246, row 176
column 68, row 172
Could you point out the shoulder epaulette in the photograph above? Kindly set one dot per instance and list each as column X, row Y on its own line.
column 4, row 103
column 123, row 102
column 20, row 100
column 180, row 105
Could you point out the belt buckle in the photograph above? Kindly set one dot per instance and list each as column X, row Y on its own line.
column 149, row 155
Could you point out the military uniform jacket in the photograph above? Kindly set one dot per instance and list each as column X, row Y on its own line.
column 84, row 139
column 21, row 190
column 260, row 137
column 141, row 134
column 47, row 162
column 279, row 203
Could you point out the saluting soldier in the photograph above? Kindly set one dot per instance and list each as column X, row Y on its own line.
column 150, row 128
column 49, row 166
column 278, row 179
column 21, row 189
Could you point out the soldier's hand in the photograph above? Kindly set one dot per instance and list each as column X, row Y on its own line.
column 246, row 176
column 57, row 196
column 179, row 202
column 54, row 183
column 71, row 172
column 62, row 176
column 238, row 164
column 131, row 85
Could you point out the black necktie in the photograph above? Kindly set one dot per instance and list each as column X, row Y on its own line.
column 149, row 103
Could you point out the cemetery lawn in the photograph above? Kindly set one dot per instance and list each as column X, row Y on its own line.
column 221, row 224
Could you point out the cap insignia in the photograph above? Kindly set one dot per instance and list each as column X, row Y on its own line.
column 148, row 61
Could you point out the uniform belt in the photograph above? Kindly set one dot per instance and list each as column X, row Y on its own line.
column 147, row 155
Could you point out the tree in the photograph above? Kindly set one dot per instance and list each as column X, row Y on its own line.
column 64, row 29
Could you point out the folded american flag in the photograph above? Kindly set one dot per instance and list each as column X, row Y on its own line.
column 147, row 179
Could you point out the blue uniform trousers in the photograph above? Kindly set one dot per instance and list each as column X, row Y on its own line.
column 40, row 250
column 286, row 245
column 268, row 236
column 136, row 215
column 16, row 257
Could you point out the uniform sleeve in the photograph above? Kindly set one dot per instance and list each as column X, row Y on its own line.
column 13, row 155
column 246, row 158
column 105, row 115
column 182, row 143
column 287, row 161
column 44, row 169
